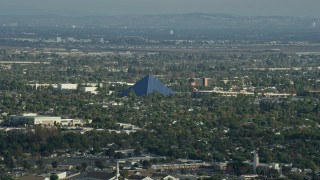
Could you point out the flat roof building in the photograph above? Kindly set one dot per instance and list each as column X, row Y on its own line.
column 34, row 119
column 67, row 87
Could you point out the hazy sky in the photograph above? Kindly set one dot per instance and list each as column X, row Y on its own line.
column 300, row 8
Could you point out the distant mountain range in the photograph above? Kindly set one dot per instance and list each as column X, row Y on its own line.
column 185, row 21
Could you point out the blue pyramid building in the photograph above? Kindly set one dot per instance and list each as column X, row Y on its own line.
column 148, row 85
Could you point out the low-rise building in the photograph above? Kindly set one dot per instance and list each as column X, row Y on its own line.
column 33, row 178
column 62, row 87
column 72, row 122
column 249, row 176
column 34, row 119
column 92, row 90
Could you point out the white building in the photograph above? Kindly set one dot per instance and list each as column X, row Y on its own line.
column 92, row 90
column 59, row 39
column 255, row 162
column 72, row 122
column 71, row 39
column 67, row 87
column 102, row 40
column 249, row 176
column 34, row 119
column 37, row 86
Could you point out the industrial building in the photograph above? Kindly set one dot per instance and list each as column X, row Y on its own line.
column 92, row 90
column 34, row 119
column 62, row 87
column 73, row 122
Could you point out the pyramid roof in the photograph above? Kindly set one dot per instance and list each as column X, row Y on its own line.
column 148, row 85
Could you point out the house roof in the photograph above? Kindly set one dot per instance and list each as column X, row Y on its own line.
column 148, row 85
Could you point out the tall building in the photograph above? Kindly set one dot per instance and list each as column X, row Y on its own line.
column 59, row 39
column 205, row 81
column 118, row 171
column 102, row 40
column 255, row 161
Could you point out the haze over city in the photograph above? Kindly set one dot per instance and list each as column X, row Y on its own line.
column 159, row 89
column 305, row 8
